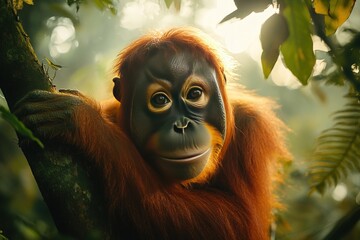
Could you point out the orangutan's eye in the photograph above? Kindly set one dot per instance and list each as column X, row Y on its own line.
column 159, row 100
column 194, row 94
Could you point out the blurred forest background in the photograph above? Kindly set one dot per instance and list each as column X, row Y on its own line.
column 85, row 42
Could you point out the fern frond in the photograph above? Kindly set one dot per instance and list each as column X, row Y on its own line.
column 338, row 149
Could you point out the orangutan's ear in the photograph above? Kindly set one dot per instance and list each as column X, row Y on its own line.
column 117, row 88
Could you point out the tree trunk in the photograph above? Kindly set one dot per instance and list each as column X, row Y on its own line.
column 66, row 180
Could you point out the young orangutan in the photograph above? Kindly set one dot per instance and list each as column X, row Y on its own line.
column 182, row 156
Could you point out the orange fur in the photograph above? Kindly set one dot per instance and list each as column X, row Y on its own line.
column 214, row 161
column 236, row 200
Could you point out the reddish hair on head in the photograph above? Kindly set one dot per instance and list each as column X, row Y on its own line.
column 177, row 40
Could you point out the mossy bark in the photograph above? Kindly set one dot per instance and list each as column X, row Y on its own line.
column 66, row 179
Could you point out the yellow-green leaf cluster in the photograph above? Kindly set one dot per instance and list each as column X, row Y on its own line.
column 335, row 11
column 19, row 4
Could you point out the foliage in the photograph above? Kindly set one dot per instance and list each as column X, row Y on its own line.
column 111, row 5
column 335, row 12
column 18, row 4
column 344, row 225
column 244, row 8
column 337, row 151
column 271, row 46
column 298, row 48
column 287, row 33
column 100, row 4
column 55, row 67
column 177, row 4
column 2, row 237
column 18, row 125
column 298, row 17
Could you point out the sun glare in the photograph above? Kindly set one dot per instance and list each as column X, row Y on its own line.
column 242, row 35
column 282, row 76
column 339, row 192
column 62, row 37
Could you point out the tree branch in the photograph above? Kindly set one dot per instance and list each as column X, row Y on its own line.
column 63, row 176
column 344, row 225
column 336, row 53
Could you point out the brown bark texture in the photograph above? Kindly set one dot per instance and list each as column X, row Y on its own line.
column 67, row 182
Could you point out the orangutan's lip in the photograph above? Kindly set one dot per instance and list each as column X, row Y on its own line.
column 186, row 159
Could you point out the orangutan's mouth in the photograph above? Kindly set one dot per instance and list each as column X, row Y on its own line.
column 187, row 159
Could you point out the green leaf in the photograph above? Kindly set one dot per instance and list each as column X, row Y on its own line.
column 244, row 8
column 100, row 4
column 18, row 125
column 273, row 33
column 321, row 6
column 268, row 60
column 177, row 4
column 105, row 4
column 336, row 12
column 168, row 3
column 338, row 148
column 53, row 65
column 298, row 48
